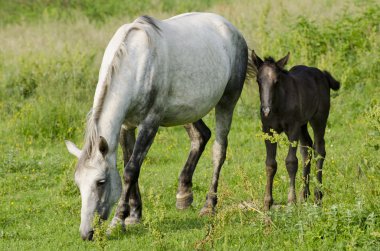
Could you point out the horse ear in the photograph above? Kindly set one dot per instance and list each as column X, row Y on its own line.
column 283, row 61
column 257, row 61
column 73, row 149
column 103, row 146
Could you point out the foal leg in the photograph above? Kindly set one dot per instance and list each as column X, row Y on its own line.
column 291, row 162
column 319, row 127
column 306, row 144
column 271, row 169
column 131, row 191
column 199, row 135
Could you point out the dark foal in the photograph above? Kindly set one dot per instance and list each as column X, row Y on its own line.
column 290, row 100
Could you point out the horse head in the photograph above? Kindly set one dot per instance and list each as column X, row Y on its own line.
column 98, row 181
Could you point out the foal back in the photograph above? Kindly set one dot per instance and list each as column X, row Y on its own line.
column 313, row 90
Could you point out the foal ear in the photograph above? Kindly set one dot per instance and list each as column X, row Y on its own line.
column 283, row 61
column 257, row 61
column 73, row 149
column 103, row 146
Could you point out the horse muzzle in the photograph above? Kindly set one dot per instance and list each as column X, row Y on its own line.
column 87, row 236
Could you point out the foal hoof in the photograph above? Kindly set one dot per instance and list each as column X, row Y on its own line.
column 268, row 202
column 184, row 201
column 131, row 221
column 318, row 197
column 304, row 194
column 207, row 211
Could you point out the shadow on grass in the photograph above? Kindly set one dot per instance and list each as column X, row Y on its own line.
column 167, row 225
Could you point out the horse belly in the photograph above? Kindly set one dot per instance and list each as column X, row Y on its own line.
column 191, row 106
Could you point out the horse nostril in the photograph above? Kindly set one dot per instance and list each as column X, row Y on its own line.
column 90, row 235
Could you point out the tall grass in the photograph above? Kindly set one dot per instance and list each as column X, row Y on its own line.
column 97, row 11
column 49, row 59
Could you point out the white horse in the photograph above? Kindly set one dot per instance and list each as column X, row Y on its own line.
column 158, row 73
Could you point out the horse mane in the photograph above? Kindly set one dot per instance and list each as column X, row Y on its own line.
column 92, row 134
column 149, row 21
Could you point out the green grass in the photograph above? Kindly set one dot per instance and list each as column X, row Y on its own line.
column 49, row 60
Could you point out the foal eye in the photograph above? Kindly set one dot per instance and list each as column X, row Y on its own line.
column 101, row 182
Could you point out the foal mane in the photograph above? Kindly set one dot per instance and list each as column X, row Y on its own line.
column 271, row 62
column 92, row 133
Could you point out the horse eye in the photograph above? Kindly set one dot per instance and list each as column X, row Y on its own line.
column 101, row 182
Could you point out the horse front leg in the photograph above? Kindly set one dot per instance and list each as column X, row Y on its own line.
column 199, row 135
column 131, row 193
column 133, row 212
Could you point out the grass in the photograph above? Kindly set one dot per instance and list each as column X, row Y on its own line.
column 49, row 61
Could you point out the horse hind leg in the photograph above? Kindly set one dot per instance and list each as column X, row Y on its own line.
column 199, row 135
column 223, row 114
column 305, row 150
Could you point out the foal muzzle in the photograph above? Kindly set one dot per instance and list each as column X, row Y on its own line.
column 265, row 110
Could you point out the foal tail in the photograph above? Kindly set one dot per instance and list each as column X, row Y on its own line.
column 333, row 83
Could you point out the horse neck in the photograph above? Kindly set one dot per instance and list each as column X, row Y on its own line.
column 111, row 118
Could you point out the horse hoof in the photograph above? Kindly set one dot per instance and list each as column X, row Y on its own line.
column 207, row 211
column 184, row 201
column 114, row 224
column 131, row 221
column 292, row 199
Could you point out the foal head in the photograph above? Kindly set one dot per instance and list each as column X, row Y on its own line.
column 98, row 181
column 268, row 74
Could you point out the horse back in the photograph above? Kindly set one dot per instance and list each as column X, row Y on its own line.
column 203, row 52
column 177, row 68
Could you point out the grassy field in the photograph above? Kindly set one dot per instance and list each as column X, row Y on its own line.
column 50, row 54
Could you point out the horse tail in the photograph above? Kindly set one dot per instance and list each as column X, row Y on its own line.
column 333, row 83
column 251, row 68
